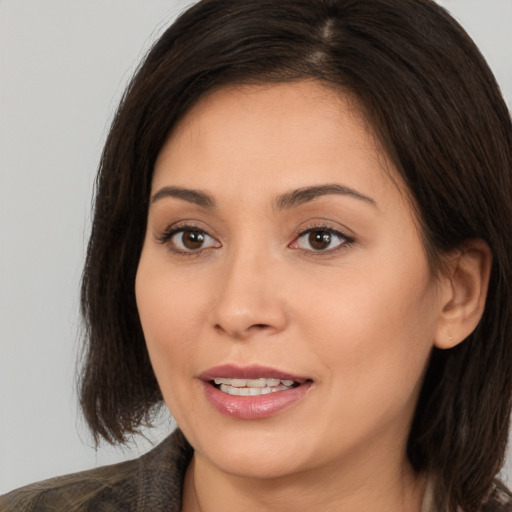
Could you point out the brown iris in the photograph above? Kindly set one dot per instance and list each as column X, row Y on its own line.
column 319, row 239
column 192, row 239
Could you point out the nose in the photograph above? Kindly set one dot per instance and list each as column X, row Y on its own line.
column 250, row 300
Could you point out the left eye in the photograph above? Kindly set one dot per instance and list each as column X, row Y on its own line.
column 189, row 240
column 320, row 239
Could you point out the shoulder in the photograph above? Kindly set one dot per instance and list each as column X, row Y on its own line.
column 80, row 491
column 499, row 500
column 151, row 482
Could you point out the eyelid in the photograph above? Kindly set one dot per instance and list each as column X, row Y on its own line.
column 322, row 226
column 174, row 229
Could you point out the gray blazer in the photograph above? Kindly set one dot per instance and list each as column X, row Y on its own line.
column 151, row 483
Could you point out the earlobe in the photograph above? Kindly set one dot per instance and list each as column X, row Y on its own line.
column 464, row 292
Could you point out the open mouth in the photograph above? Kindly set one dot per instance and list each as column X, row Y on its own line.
column 253, row 392
column 252, row 387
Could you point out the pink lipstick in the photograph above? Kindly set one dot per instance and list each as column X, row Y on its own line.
column 252, row 392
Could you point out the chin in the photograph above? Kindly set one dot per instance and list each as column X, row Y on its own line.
column 260, row 466
column 252, row 455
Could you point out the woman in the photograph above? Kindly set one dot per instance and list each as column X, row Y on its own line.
column 300, row 244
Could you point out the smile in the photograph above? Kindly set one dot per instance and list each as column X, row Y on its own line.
column 253, row 387
column 252, row 392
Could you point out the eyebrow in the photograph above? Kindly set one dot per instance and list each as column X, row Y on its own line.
column 187, row 194
column 307, row 194
column 283, row 202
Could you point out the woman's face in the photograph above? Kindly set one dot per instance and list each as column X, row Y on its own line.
column 283, row 260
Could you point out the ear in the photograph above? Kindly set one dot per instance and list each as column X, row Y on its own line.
column 463, row 292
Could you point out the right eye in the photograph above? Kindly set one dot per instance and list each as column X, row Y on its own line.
column 188, row 239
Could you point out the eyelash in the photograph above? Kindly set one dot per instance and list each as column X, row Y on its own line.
column 345, row 240
column 165, row 238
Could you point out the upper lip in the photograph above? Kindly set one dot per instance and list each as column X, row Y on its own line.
column 231, row 371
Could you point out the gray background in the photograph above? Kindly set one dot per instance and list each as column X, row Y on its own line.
column 63, row 67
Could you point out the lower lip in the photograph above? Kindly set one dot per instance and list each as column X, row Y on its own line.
column 254, row 407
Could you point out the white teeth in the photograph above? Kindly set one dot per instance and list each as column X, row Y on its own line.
column 256, row 383
column 218, row 380
column 252, row 383
column 231, row 390
column 252, row 387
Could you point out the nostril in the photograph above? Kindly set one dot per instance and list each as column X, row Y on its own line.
column 241, row 333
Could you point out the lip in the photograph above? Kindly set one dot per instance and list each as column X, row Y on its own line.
column 249, row 372
column 252, row 407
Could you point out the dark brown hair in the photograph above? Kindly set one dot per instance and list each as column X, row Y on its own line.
column 437, row 111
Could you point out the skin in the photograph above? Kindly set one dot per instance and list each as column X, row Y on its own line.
column 359, row 318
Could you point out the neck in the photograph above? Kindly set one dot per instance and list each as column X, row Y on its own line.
column 375, row 488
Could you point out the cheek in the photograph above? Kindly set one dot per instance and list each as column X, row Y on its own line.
column 169, row 313
column 373, row 331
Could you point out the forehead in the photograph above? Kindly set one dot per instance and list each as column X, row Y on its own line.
column 263, row 137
